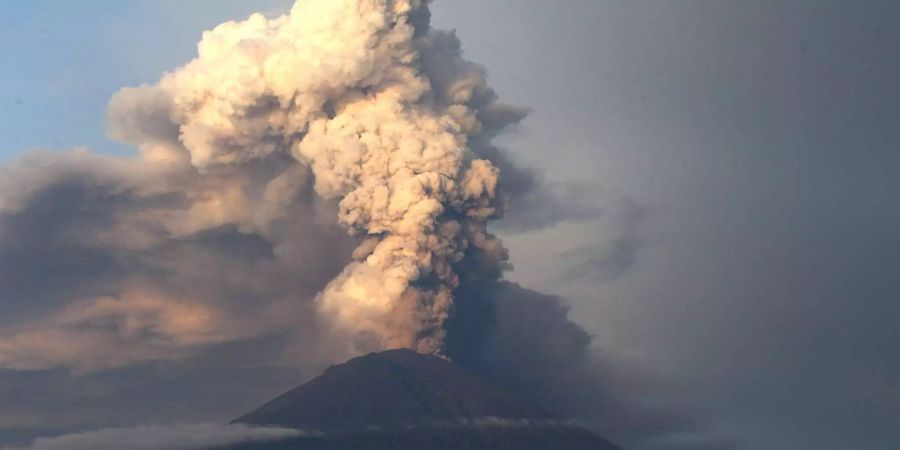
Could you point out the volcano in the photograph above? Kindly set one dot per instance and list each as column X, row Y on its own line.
column 402, row 400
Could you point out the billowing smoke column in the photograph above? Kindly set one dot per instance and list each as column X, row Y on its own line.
column 382, row 113
column 225, row 241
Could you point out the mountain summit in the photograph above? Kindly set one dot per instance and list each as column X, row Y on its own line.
column 396, row 388
column 400, row 400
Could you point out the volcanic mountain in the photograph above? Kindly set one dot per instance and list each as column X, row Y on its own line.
column 402, row 400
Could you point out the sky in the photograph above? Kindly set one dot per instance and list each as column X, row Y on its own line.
column 744, row 155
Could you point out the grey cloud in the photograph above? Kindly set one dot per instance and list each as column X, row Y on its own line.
column 603, row 261
column 536, row 204
column 609, row 259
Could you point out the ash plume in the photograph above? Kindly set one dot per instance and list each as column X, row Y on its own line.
column 323, row 180
column 380, row 113
column 342, row 117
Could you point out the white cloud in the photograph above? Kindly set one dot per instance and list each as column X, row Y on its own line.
column 156, row 437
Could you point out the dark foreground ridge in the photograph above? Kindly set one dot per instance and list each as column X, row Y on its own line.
column 401, row 400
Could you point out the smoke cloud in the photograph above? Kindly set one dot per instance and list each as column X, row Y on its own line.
column 340, row 118
column 524, row 339
column 322, row 180
column 284, row 144
column 380, row 113
column 110, row 262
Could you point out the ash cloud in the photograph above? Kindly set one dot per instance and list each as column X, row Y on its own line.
column 263, row 163
column 149, row 262
column 381, row 135
column 321, row 182
column 524, row 339
column 389, row 141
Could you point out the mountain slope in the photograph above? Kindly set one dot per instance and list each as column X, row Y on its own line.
column 400, row 400
column 390, row 389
